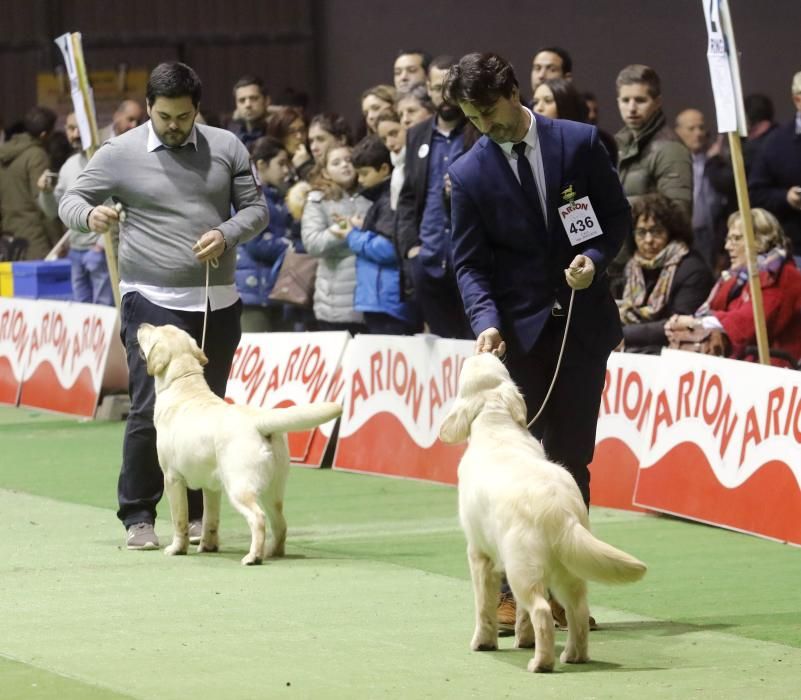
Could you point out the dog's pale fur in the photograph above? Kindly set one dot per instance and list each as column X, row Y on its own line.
column 523, row 515
column 204, row 442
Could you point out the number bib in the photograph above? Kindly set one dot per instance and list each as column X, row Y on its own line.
column 579, row 221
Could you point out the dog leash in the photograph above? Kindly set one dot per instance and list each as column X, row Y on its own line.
column 559, row 359
column 215, row 265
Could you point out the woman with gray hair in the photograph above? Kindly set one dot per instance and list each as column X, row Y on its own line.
column 729, row 308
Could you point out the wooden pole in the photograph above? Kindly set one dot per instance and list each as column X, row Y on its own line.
column 744, row 205
column 83, row 84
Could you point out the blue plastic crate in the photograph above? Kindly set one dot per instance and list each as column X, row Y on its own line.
column 42, row 279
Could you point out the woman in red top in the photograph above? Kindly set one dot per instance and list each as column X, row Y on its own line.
column 729, row 306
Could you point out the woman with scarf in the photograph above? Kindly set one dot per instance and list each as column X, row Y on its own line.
column 665, row 276
column 729, row 309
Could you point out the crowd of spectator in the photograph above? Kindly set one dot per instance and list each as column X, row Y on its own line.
column 370, row 201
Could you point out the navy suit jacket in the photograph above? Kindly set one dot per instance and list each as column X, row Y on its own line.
column 510, row 271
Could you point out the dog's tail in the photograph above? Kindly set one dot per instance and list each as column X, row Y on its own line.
column 292, row 418
column 589, row 558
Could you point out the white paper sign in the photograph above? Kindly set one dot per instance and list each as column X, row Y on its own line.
column 724, row 71
column 579, row 221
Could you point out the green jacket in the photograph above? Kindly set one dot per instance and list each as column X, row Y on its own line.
column 22, row 160
column 654, row 160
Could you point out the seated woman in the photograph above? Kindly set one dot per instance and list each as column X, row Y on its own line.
column 729, row 308
column 664, row 276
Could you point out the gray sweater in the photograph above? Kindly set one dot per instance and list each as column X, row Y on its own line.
column 171, row 198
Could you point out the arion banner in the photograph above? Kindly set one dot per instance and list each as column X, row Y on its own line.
column 287, row 369
column 723, row 445
column 397, row 392
column 53, row 354
column 623, row 422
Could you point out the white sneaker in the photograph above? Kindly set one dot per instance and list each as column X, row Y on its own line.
column 142, row 536
column 195, row 531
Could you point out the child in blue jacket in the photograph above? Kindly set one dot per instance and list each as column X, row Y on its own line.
column 259, row 260
column 378, row 288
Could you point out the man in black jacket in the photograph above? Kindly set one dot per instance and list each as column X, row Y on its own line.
column 423, row 220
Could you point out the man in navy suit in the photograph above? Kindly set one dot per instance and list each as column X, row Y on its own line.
column 537, row 211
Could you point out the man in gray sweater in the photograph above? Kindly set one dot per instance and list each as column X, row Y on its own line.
column 177, row 183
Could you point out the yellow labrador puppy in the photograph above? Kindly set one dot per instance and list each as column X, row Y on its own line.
column 523, row 515
column 204, row 442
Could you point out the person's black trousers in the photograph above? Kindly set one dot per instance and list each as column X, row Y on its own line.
column 441, row 303
column 141, row 481
column 568, row 423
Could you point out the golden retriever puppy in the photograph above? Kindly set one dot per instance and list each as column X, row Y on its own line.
column 523, row 515
column 204, row 442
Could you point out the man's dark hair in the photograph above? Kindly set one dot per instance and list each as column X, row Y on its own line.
column 425, row 56
column 443, row 62
column 38, row 120
column 246, row 80
column 266, row 148
column 758, row 108
column 173, row 79
column 370, row 153
column 567, row 61
column 479, row 78
column 638, row 73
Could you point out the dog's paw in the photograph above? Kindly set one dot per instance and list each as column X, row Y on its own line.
column 251, row 560
column 176, row 548
column 539, row 665
column 484, row 642
column 524, row 642
column 271, row 550
column 208, row 547
column 573, row 657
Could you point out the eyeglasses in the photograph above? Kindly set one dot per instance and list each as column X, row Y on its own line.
column 734, row 238
column 641, row 233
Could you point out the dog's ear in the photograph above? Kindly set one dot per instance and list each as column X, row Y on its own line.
column 158, row 358
column 456, row 426
column 513, row 400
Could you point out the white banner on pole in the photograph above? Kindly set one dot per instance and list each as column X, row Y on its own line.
column 724, row 70
column 64, row 42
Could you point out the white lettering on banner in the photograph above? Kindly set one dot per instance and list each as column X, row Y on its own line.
column 414, row 379
column 391, row 372
column 14, row 330
column 741, row 415
column 629, row 396
column 697, row 397
column 305, row 364
column 71, row 346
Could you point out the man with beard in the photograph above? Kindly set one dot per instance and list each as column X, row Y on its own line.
column 423, row 217
column 538, row 214
column 177, row 183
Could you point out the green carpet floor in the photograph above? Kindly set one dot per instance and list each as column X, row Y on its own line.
column 372, row 601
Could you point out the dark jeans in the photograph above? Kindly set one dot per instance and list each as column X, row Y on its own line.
column 141, row 481
column 441, row 303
